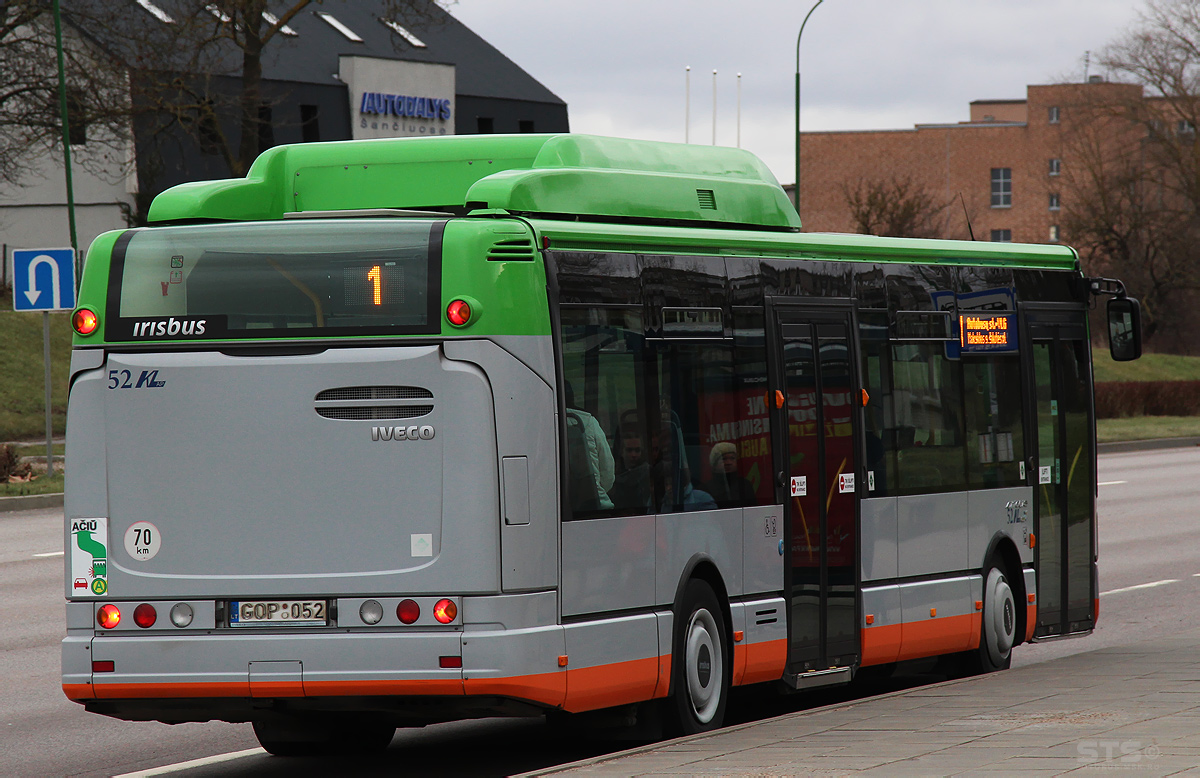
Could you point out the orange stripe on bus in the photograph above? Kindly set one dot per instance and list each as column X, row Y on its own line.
column 264, row 689
column 763, row 661
column 881, row 644
column 78, row 691
column 544, row 688
column 412, row 687
column 1030, row 620
column 122, row 691
column 590, row 688
column 946, row 635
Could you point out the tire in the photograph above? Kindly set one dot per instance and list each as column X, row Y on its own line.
column 998, row 633
column 322, row 736
column 701, row 663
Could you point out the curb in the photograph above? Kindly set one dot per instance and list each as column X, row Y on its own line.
column 30, row 502
column 1146, row 445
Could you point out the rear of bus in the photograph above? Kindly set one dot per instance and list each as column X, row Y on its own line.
column 302, row 449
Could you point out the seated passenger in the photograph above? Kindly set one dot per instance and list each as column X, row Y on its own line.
column 589, row 459
column 631, row 489
column 727, row 487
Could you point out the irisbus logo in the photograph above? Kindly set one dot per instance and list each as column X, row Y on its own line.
column 169, row 328
column 424, row 432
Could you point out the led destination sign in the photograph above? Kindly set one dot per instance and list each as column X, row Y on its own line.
column 988, row 333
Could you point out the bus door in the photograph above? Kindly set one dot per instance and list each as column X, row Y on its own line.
column 1061, row 462
column 816, row 424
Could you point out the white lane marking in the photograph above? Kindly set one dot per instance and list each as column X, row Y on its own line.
column 175, row 768
column 1112, row 483
column 1141, row 586
column 50, row 553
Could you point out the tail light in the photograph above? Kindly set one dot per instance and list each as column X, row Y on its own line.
column 144, row 615
column 108, row 616
column 85, row 321
column 181, row 614
column 408, row 611
column 459, row 313
column 445, row 611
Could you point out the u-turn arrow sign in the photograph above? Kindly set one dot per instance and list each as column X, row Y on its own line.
column 43, row 279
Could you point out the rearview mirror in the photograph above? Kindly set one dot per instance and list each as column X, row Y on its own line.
column 1124, row 329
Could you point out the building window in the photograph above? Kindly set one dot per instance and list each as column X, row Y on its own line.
column 1053, row 114
column 310, row 127
column 1054, row 233
column 525, row 125
column 1184, row 127
column 266, row 131
column 1054, row 204
column 1001, row 187
column 76, row 119
column 485, row 125
column 1055, row 166
column 1001, row 236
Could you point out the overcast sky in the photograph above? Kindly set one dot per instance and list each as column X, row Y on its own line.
column 866, row 64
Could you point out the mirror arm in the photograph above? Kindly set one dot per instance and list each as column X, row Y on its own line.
column 1099, row 285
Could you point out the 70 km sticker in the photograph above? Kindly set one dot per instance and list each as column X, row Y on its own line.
column 142, row 540
column 89, row 557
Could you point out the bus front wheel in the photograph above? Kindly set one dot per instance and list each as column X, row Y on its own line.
column 701, row 662
column 999, row 630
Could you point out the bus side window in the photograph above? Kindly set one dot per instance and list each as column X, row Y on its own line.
column 926, row 433
column 995, row 440
column 602, row 363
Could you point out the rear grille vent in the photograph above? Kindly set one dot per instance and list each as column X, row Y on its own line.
column 376, row 412
column 510, row 250
column 708, row 199
column 358, row 403
column 375, row 393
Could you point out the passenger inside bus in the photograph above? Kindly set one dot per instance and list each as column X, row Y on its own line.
column 589, row 458
column 727, row 487
column 631, row 489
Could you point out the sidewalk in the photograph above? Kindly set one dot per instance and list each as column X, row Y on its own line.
column 1128, row 708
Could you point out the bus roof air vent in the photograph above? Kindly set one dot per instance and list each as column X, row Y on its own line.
column 707, row 198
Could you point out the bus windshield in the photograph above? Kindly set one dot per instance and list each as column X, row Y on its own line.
column 283, row 279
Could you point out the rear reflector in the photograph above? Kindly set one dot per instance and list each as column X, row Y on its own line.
column 144, row 615
column 408, row 611
column 104, row 666
column 449, row 661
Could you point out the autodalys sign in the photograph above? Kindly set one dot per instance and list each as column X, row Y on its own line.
column 398, row 98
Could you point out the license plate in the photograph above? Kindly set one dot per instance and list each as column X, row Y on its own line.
column 254, row 613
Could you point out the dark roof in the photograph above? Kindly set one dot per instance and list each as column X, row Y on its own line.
column 311, row 56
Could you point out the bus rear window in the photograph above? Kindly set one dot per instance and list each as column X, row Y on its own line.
column 291, row 279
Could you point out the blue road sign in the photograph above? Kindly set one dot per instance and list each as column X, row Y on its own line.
column 43, row 279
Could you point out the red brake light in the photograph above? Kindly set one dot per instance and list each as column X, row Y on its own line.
column 458, row 312
column 408, row 611
column 144, row 615
column 108, row 616
column 85, row 321
column 445, row 611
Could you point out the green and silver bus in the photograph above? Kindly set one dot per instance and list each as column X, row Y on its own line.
column 403, row 431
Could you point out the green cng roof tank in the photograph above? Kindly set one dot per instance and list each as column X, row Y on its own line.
column 549, row 175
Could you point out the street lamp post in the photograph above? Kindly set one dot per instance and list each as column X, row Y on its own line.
column 798, row 37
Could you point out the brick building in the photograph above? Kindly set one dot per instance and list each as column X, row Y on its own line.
column 1007, row 163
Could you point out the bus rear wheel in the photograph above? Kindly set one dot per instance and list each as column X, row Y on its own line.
column 316, row 736
column 998, row 632
column 701, row 663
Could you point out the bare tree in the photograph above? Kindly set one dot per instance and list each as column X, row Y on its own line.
column 30, row 123
column 898, row 207
column 1132, row 166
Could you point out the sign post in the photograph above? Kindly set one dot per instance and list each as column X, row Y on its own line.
column 44, row 280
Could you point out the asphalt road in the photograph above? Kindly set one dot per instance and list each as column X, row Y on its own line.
column 1149, row 579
